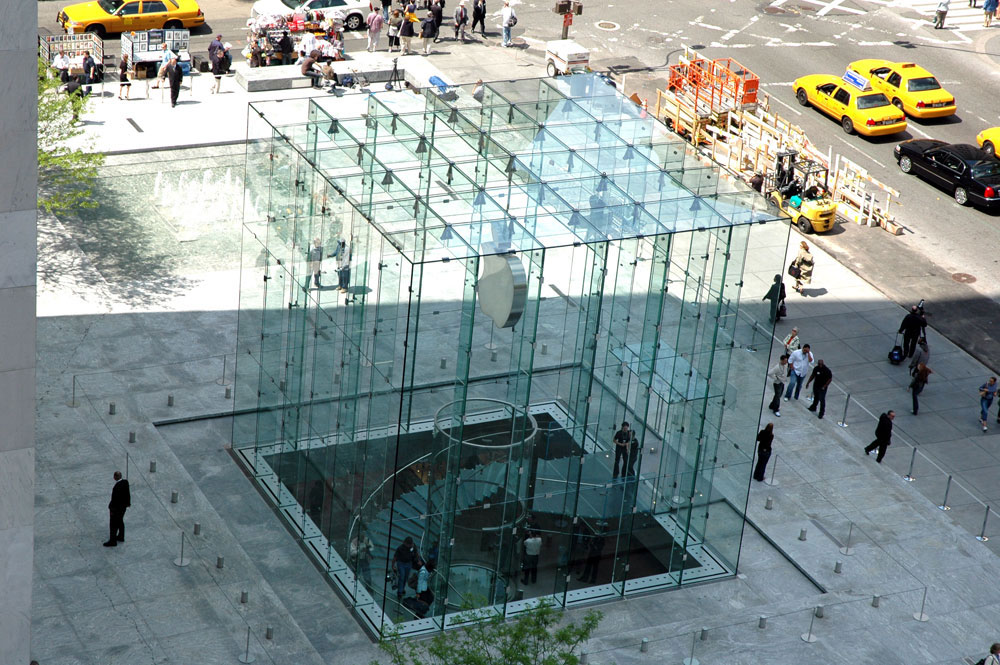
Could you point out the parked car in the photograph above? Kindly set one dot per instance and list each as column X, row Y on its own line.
column 353, row 11
column 969, row 173
column 104, row 17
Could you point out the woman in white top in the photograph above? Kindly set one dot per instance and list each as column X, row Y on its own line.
column 508, row 19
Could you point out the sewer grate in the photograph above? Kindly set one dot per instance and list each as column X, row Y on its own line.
column 608, row 25
column 963, row 278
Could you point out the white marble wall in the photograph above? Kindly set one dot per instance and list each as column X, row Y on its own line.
column 18, row 184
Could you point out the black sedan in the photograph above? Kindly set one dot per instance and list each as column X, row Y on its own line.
column 972, row 175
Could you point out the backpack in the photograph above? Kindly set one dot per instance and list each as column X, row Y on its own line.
column 513, row 20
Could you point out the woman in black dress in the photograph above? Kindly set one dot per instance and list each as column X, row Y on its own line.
column 764, row 439
column 124, row 83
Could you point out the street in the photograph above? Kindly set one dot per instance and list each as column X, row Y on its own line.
column 946, row 253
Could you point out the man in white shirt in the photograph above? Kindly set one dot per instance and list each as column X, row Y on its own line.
column 532, row 548
column 800, row 360
column 508, row 18
column 61, row 63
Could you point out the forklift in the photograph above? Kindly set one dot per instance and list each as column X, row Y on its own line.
column 800, row 190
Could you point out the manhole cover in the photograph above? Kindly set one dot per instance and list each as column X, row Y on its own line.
column 607, row 25
column 963, row 278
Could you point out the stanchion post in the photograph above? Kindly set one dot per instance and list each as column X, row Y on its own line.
column 808, row 635
column 692, row 660
column 222, row 381
column 246, row 656
column 909, row 474
column 920, row 616
column 947, row 488
column 182, row 561
column 846, row 550
column 72, row 400
column 772, row 482
column 982, row 537
column 843, row 419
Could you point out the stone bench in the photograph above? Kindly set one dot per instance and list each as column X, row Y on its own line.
column 376, row 67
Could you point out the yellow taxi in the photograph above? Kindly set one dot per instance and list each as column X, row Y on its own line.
column 851, row 101
column 989, row 139
column 103, row 17
column 910, row 87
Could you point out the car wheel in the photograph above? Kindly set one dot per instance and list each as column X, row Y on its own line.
column 173, row 25
column 551, row 69
column 905, row 165
column 988, row 147
column 961, row 196
column 848, row 126
column 98, row 30
column 805, row 225
column 898, row 104
column 802, row 97
column 353, row 22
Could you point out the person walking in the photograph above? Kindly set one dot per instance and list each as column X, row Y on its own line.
column 124, row 70
column 778, row 374
column 595, row 547
column 911, row 328
column 883, row 435
column 428, row 32
column 461, row 20
column 993, row 657
column 532, row 550
column 800, row 360
column 776, row 294
column 479, row 17
column 623, row 442
column 508, row 19
column 437, row 9
column 375, row 23
column 940, row 13
column 386, row 10
column 161, row 72
column 402, row 563
column 989, row 9
column 315, row 258
column 406, row 31
column 395, row 23
column 215, row 46
column 792, row 341
column 922, row 355
column 121, row 500
column 764, row 439
column 218, row 69
column 823, row 376
column 804, row 266
column 360, row 550
column 175, row 75
column 987, row 392
column 918, row 383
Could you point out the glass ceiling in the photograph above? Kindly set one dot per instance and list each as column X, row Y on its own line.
column 538, row 163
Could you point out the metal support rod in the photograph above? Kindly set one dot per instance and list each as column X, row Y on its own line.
column 808, row 636
column 920, row 616
column 245, row 657
column 126, row 465
column 222, row 381
column 846, row 550
column 909, row 474
column 692, row 660
column 182, row 561
column 947, row 488
column 843, row 418
column 772, row 482
column 982, row 537
column 72, row 399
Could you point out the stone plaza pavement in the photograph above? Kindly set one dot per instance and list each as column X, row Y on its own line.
column 104, row 335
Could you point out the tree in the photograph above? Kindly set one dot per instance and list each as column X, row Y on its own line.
column 536, row 637
column 64, row 172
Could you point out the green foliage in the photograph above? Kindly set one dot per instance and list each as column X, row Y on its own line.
column 536, row 637
column 64, row 173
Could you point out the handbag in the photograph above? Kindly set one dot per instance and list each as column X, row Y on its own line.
column 513, row 21
column 794, row 270
column 393, row 30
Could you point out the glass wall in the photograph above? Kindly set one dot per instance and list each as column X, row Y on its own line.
column 450, row 305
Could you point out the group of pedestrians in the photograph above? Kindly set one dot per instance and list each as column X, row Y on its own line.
column 402, row 24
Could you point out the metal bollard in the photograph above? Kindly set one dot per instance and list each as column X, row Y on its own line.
column 704, row 634
column 769, row 504
column 583, row 657
column 244, row 597
column 875, row 600
column 982, row 537
column 819, row 612
column 229, row 392
column 762, row 621
column 220, row 562
column 843, row 419
column 802, row 534
column 493, row 356
column 173, row 496
column 131, row 437
column 644, row 647
column 111, row 409
column 545, row 349
column 838, row 567
column 444, row 363
column 909, row 474
column 269, row 633
column 152, row 466
column 197, row 528
column 947, row 488
column 170, row 400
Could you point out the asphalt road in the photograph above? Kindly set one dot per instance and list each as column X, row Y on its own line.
column 781, row 40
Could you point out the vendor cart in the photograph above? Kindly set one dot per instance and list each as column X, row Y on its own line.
column 564, row 56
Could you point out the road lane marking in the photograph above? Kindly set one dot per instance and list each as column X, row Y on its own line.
column 790, row 108
column 846, row 142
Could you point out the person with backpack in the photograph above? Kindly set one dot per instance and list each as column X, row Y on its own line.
column 987, row 392
column 917, row 385
column 428, row 32
column 508, row 19
column 993, row 658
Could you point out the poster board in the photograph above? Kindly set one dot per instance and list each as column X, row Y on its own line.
column 73, row 45
column 145, row 45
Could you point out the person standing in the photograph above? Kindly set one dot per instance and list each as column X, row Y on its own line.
column 595, row 547
column 800, row 360
column 218, row 69
column 764, row 439
column 343, row 256
column 987, row 392
column 508, row 19
column 461, row 20
column 822, row 376
column 479, row 17
column 386, row 10
column 883, row 435
column 776, row 294
column 161, row 73
column 315, row 258
column 532, row 550
column 623, row 441
column 479, row 91
column 406, row 31
column 940, row 13
column 792, row 341
column 911, row 328
column 175, row 75
column 922, row 355
column 402, row 563
column 61, row 64
column 989, row 9
column 778, row 374
column 375, row 23
column 633, row 455
column 918, row 383
column 395, row 23
column 993, row 658
column 361, row 552
column 121, row 500
column 286, row 49
column 215, row 47
column 437, row 8
column 124, row 84
column 428, row 32
column 804, row 263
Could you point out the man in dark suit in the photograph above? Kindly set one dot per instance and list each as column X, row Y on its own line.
column 121, row 499
column 883, row 435
column 911, row 329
